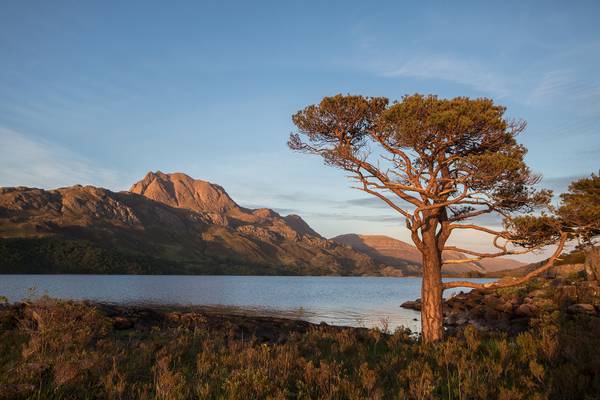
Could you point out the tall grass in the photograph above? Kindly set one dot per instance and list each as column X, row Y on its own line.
column 53, row 349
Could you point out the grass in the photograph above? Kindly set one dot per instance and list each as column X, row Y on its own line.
column 52, row 349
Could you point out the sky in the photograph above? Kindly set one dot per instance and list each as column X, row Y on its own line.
column 102, row 92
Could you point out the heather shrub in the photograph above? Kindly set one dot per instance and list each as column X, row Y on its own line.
column 53, row 349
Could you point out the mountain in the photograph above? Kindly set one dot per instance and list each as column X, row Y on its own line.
column 181, row 191
column 166, row 223
column 407, row 259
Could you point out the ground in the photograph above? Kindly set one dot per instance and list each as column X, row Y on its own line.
column 70, row 350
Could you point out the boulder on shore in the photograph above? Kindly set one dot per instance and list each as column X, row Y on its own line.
column 592, row 264
column 510, row 310
column 582, row 309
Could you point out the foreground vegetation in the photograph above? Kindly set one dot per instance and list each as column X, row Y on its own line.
column 64, row 350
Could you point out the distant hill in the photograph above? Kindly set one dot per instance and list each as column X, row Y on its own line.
column 166, row 223
column 406, row 258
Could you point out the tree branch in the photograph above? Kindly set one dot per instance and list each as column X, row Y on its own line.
column 471, row 214
column 479, row 228
column 515, row 281
column 481, row 256
column 385, row 180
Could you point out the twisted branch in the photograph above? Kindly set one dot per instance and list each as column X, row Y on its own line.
column 515, row 281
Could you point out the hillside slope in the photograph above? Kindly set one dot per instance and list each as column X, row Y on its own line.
column 168, row 223
column 407, row 259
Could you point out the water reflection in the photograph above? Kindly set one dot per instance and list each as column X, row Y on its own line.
column 351, row 301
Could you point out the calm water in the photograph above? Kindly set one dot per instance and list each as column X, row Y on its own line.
column 352, row 301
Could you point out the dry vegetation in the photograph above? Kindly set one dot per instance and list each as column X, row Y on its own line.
column 64, row 350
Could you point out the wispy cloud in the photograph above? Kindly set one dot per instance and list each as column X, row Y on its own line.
column 550, row 85
column 377, row 203
column 387, row 219
column 29, row 161
column 592, row 151
column 567, row 88
column 450, row 68
column 372, row 202
column 365, row 204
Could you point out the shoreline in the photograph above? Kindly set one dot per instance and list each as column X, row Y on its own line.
column 259, row 276
column 135, row 318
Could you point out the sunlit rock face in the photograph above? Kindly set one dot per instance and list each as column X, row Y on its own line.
column 177, row 219
column 181, row 191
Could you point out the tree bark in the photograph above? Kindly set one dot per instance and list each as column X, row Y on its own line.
column 432, row 317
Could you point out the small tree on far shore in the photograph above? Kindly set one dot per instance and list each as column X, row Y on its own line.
column 439, row 163
column 580, row 209
column 580, row 212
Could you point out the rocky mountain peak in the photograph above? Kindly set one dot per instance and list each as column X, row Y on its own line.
column 182, row 191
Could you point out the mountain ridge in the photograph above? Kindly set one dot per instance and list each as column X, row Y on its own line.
column 188, row 225
column 179, row 190
column 178, row 224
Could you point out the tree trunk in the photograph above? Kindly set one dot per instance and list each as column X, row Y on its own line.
column 432, row 317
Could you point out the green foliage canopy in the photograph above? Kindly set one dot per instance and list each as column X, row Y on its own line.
column 452, row 159
column 580, row 208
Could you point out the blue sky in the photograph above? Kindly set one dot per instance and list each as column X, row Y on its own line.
column 102, row 92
